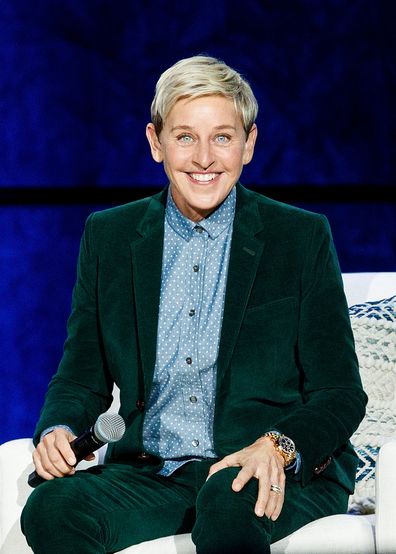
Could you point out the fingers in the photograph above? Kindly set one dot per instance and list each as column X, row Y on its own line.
column 270, row 502
column 262, row 462
column 278, row 504
column 40, row 468
column 227, row 461
column 238, row 459
column 246, row 473
column 53, row 456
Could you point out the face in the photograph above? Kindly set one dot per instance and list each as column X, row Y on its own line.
column 203, row 147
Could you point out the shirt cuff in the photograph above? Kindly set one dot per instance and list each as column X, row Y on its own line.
column 296, row 465
column 49, row 429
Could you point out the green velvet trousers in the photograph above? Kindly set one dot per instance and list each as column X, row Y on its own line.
column 107, row 508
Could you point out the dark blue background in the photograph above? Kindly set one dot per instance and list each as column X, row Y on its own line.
column 78, row 76
column 76, row 82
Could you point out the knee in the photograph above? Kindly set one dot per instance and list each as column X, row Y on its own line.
column 217, row 491
column 47, row 504
column 225, row 519
column 37, row 504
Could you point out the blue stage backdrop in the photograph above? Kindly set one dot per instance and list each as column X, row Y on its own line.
column 76, row 82
column 77, row 79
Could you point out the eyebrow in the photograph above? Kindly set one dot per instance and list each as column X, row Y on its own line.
column 188, row 128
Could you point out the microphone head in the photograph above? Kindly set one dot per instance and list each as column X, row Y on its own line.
column 109, row 427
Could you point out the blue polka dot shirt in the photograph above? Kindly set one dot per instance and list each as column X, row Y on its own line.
column 178, row 425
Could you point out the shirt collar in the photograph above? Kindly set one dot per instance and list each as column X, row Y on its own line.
column 217, row 222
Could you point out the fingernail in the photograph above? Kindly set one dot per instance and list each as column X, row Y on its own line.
column 259, row 513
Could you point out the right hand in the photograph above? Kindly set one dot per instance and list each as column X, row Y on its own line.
column 54, row 457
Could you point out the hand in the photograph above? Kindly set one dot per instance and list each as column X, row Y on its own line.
column 54, row 457
column 262, row 461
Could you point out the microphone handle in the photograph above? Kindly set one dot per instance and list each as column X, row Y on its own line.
column 81, row 446
column 35, row 479
column 85, row 444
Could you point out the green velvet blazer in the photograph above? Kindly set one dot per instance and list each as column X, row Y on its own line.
column 286, row 357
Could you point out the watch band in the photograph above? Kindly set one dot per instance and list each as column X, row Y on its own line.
column 284, row 445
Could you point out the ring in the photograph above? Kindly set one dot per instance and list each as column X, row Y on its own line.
column 276, row 488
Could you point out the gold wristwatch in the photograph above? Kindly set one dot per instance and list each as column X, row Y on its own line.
column 284, row 445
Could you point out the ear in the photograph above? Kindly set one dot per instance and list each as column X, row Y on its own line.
column 249, row 145
column 155, row 145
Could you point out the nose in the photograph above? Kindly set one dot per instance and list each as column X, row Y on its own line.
column 203, row 156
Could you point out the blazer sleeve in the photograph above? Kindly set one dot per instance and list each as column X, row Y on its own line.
column 81, row 388
column 333, row 398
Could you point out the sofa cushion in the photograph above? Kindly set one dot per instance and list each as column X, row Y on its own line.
column 374, row 328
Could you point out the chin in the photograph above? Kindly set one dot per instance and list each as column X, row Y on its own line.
column 205, row 206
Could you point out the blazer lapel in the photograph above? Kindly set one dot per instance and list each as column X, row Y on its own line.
column 146, row 254
column 246, row 251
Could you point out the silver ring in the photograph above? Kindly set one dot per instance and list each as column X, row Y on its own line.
column 276, row 488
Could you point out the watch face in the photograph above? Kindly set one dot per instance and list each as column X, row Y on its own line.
column 287, row 445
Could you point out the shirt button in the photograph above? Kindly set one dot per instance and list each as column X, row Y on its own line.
column 195, row 442
column 196, row 268
column 191, row 312
column 193, row 399
column 189, row 361
column 199, row 229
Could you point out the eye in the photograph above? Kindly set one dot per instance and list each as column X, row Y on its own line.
column 185, row 139
column 223, row 139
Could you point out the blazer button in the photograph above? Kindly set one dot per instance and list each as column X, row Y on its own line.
column 140, row 404
column 143, row 456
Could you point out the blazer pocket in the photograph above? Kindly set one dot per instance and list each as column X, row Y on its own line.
column 267, row 318
column 264, row 357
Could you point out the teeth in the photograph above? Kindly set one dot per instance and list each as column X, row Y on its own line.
column 203, row 177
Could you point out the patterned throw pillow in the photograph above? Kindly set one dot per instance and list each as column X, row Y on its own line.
column 374, row 328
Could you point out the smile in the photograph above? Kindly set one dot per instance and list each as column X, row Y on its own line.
column 203, row 177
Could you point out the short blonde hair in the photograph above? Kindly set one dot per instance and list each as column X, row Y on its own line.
column 202, row 76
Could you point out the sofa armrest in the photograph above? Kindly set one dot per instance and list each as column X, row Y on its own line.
column 15, row 466
column 385, row 495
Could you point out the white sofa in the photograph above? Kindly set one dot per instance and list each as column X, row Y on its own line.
column 339, row 534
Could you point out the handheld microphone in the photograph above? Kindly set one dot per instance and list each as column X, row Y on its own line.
column 109, row 427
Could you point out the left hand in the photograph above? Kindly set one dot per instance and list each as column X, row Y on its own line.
column 262, row 461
